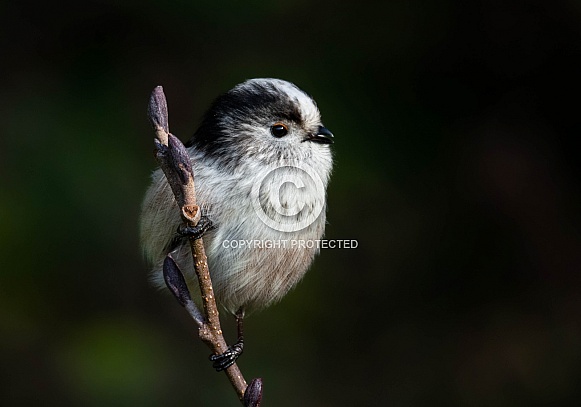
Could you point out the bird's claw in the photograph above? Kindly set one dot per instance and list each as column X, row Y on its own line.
column 227, row 359
column 196, row 232
column 204, row 225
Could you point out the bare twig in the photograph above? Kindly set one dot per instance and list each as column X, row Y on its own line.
column 176, row 165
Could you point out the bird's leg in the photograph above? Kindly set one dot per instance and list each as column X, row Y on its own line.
column 204, row 225
column 226, row 359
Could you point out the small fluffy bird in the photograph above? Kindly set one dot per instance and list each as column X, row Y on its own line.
column 262, row 160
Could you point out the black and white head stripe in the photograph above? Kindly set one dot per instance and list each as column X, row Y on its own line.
column 253, row 104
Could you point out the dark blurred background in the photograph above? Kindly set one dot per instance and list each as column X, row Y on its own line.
column 456, row 171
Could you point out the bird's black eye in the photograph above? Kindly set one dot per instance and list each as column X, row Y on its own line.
column 279, row 130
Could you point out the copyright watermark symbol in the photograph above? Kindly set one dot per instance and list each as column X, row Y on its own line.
column 289, row 197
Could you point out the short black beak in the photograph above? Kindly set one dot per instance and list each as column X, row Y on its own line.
column 323, row 136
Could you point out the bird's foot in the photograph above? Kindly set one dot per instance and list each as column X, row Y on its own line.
column 227, row 359
column 204, row 225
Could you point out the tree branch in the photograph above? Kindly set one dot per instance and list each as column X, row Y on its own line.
column 175, row 163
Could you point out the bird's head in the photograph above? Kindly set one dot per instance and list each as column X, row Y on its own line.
column 263, row 120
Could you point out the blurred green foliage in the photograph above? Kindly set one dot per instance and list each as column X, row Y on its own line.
column 455, row 170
